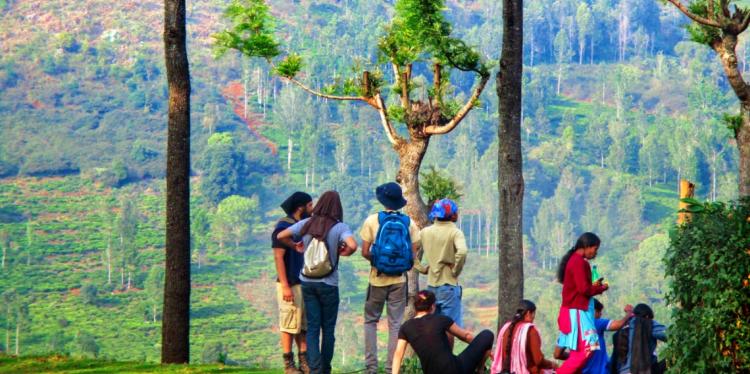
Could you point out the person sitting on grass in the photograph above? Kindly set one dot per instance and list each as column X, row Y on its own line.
column 426, row 333
column 519, row 346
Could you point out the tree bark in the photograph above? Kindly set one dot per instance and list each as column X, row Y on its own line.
column 176, row 321
column 743, row 145
column 510, row 162
column 410, row 157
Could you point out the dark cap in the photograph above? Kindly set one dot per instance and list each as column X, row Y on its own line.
column 295, row 201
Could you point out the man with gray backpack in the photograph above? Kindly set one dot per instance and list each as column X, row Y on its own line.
column 390, row 241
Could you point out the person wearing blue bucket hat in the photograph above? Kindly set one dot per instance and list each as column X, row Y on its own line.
column 390, row 241
column 445, row 250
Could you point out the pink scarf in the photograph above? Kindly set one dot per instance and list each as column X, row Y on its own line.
column 518, row 363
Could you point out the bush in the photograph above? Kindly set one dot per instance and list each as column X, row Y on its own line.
column 87, row 344
column 214, row 353
column 436, row 185
column 708, row 263
column 88, row 294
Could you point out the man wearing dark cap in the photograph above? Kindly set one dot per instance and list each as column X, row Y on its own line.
column 289, row 262
column 384, row 289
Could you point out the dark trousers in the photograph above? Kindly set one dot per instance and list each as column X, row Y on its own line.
column 474, row 354
column 321, row 308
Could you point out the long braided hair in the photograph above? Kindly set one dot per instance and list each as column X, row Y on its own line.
column 526, row 306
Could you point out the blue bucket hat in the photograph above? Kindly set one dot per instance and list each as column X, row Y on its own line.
column 390, row 196
column 443, row 209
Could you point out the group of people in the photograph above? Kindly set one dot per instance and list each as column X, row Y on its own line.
column 310, row 239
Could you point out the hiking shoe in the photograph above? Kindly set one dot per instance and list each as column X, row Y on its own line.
column 303, row 366
column 289, row 367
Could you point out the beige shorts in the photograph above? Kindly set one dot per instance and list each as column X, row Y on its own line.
column 291, row 314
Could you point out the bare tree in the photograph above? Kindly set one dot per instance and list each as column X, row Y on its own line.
column 510, row 162
column 175, row 332
column 719, row 26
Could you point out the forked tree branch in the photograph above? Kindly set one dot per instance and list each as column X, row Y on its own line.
column 702, row 20
column 448, row 127
column 390, row 132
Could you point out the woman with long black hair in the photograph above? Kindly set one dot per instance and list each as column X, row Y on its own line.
column 576, row 317
column 321, row 294
column 519, row 345
column 634, row 344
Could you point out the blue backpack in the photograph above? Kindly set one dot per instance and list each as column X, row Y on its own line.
column 391, row 252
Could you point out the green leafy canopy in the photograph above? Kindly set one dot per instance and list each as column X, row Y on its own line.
column 252, row 31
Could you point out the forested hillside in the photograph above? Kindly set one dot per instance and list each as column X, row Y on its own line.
column 618, row 106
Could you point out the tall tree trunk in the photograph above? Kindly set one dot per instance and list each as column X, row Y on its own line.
column 176, row 321
column 410, row 159
column 18, row 340
column 510, row 162
column 743, row 144
column 109, row 262
column 290, row 145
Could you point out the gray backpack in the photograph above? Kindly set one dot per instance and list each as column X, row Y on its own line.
column 317, row 260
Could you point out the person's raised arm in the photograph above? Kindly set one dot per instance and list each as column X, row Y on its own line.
column 350, row 246
column 460, row 333
column 285, row 237
column 618, row 324
column 659, row 331
column 398, row 356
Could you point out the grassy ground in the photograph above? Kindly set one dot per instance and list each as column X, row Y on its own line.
column 63, row 364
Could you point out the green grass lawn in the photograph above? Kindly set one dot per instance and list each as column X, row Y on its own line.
column 63, row 364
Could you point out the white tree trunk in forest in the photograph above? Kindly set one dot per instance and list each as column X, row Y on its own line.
column 122, row 277
column 559, row 77
column 307, row 178
column 129, row 276
column 479, row 233
column 153, row 311
column 471, row 231
column 290, row 145
column 18, row 333
column 109, row 262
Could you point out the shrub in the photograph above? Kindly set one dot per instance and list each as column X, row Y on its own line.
column 708, row 262
column 213, row 353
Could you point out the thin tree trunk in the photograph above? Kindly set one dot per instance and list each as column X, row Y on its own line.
column 592, row 49
column 176, row 321
column 559, row 78
column 18, row 340
column 290, row 145
column 510, row 177
column 109, row 262
column 5, row 250
column 743, row 145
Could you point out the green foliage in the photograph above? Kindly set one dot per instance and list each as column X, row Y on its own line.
column 436, row 185
column 87, row 344
column 732, row 122
column 223, row 166
column 89, row 294
column 213, row 353
column 411, row 365
column 234, row 218
column 251, row 33
column 700, row 33
column 707, row 262
column 289, row 66
column 419, row 27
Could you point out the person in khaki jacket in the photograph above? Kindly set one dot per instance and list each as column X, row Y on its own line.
column 444, row 248
column 384, row 290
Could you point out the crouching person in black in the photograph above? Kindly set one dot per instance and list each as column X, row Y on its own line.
column 427, row 334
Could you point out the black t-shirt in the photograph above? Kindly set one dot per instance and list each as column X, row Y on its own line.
column 427, row 336
column 293, row 260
